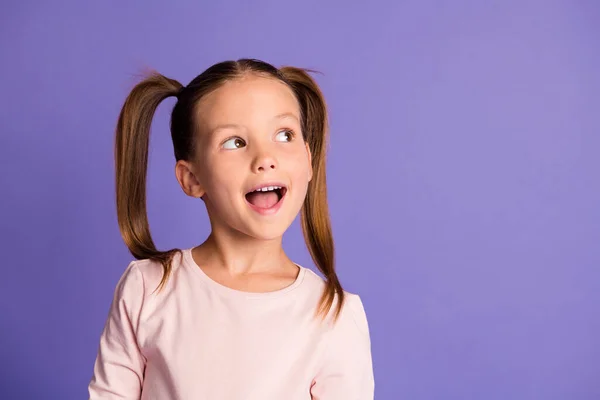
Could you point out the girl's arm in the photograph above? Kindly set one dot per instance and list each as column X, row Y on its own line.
column 119, row 367
column 347, row 371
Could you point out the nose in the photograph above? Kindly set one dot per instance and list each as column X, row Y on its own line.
column 263, row 162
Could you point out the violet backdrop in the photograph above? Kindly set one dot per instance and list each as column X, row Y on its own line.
column 463, row 179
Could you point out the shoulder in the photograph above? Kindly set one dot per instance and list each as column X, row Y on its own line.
column 352, row 316
column 354, row 310
column 142, row 277
column 346, row 366
column 348, row 343
column 312, row 280
column 352, row 319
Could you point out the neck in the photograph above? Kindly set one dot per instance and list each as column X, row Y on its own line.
column 240, row 254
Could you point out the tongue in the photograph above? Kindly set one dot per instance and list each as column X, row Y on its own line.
column 263, row 199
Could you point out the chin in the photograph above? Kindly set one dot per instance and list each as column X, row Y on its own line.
column 266, row 232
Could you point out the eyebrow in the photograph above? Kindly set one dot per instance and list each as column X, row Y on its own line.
column 236, row 126
column 287, row 115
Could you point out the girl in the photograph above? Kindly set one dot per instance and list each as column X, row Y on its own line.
column 233, row 318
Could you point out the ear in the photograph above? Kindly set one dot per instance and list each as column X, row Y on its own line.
column 310, row 168
column 188, row 181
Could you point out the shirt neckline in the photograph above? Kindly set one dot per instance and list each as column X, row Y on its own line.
column 227, row 291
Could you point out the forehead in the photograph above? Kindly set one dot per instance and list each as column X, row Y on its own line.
column 246, row 101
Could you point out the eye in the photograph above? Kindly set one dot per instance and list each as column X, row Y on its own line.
column 233, row 143
column 290, row 134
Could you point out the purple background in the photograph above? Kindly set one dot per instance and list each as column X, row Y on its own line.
column 463, row 180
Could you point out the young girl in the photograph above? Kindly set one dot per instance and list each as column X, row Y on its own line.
column 233, row 318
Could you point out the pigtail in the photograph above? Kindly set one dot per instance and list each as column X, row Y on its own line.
column 131, row 162
column 316, row 224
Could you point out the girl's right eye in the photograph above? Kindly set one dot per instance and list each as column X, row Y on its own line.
column 233, row 143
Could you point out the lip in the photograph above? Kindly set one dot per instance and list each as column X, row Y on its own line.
column 266, row 184
column 276, row 206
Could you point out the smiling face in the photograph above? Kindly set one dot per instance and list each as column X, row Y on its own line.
column 249, row 136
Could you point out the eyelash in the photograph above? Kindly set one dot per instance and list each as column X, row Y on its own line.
column 287, row 130
column 290, row 131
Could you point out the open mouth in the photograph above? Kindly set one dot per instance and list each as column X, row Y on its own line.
column 266, row 197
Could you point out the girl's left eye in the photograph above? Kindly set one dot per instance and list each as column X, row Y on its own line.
column 288, row 132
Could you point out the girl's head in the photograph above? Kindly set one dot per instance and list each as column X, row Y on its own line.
column 237, row 126
column 247, row 133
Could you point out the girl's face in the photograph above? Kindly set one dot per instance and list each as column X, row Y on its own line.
column 249, row 137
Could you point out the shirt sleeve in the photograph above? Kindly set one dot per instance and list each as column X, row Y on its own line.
column 347, row 369
column 119, row 367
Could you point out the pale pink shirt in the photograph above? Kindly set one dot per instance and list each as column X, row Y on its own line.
column 200, row 340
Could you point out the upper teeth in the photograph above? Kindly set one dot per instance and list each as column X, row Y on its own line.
column 266, row 189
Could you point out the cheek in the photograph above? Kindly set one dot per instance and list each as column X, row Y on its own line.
column 226, row 181
column 303, row 163
column 220, row 177
column 297, row 154
column 299, row 168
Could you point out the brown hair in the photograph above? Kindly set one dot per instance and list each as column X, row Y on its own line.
column 131, row 157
